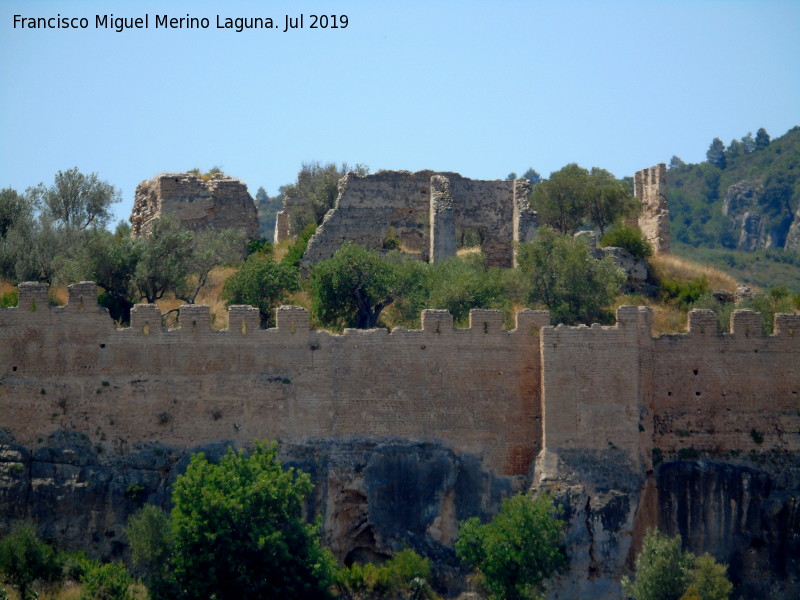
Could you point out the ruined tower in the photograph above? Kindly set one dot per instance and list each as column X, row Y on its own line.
column 650, row 187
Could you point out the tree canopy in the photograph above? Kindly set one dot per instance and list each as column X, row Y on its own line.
column 237, row 532
column 76, row 200
column 352, row 288
column 573, row 196
column 561, row 273
column 517, row 551
column 315, row 191
column 665, row 572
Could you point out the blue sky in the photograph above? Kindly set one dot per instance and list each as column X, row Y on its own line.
column 474, row 87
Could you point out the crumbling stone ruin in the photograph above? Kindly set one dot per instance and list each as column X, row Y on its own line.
column 220, row 202
column 650, row 187
column 428, row 213
column 697, row 433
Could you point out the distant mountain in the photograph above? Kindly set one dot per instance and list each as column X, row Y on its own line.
column 745, row 197
column 740, row 210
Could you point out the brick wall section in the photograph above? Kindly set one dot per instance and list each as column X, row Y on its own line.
column 412, row 207
column 479, row 391
column 476, row 390
column 221, row 202
column 650, row 187
column 592, row 383
column 712, row 389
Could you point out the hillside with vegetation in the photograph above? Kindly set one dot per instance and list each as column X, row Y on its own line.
column 740, row 209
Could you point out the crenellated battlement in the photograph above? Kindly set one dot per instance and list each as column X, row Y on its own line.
column 482, row 390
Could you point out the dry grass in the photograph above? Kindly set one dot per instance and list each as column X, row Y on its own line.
column 6, row 287
column 210, row 295
column 58, row 295
column 468, row 250
column 669, row 266
column 666, row 318
column 280, row 249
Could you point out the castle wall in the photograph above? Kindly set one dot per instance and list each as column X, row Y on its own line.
column 481, row 391
column 650, row 187
column 725, row 393
column 427, row 212
column 475, row 390
column 221, row 203
column 369, row 206
column 592, row 382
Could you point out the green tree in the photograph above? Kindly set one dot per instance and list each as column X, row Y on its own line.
column 150, row 537
column 239, row 532
column 609, row 200
column 76, row 200
column 460, row 284
column 629, row 238
column 662, row 569
column 404, row 576
column 709, row 579
column 517, row 551
column 511, row 176
column 25, row 559
column 315, row 191
column 162, row 265
column 762, row 139
column 562, row 200
column 665, row 572
column 110, row 260
column 263, row 283
column 352, row 288
column 261, row 194
column 563, row 275
column 748, row 143
column 209, row 249
column 106, row 581
column 532, row 175
column 14, row 208
column 716, row 153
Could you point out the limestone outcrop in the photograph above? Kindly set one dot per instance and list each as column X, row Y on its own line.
column 375, row 496
column 759, row 218
column 220, row 202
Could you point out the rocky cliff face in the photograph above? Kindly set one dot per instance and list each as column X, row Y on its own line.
column 221, row 202
column 375, row 496
column 759, row 217
column 746, row 515
column 378, row 496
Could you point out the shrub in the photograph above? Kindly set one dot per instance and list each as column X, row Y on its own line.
column 109, row 581
column 296, row 250
column 517, row 550
column 665, row 572
column 25, row 559
column 403, row 576
column 684, row 293
column 630, row 239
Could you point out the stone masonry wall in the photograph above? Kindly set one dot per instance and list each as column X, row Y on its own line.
column 221, row 202
column 426, row 212
column 475, row 390
column 482, row 391
column 650, row 187
column 725, row 393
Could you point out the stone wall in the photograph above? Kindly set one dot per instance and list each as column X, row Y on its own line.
column 407, row 433
column 650, row 187
column 221, row 202
column 475, row 390
column 485, row 391
column 426, row 212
